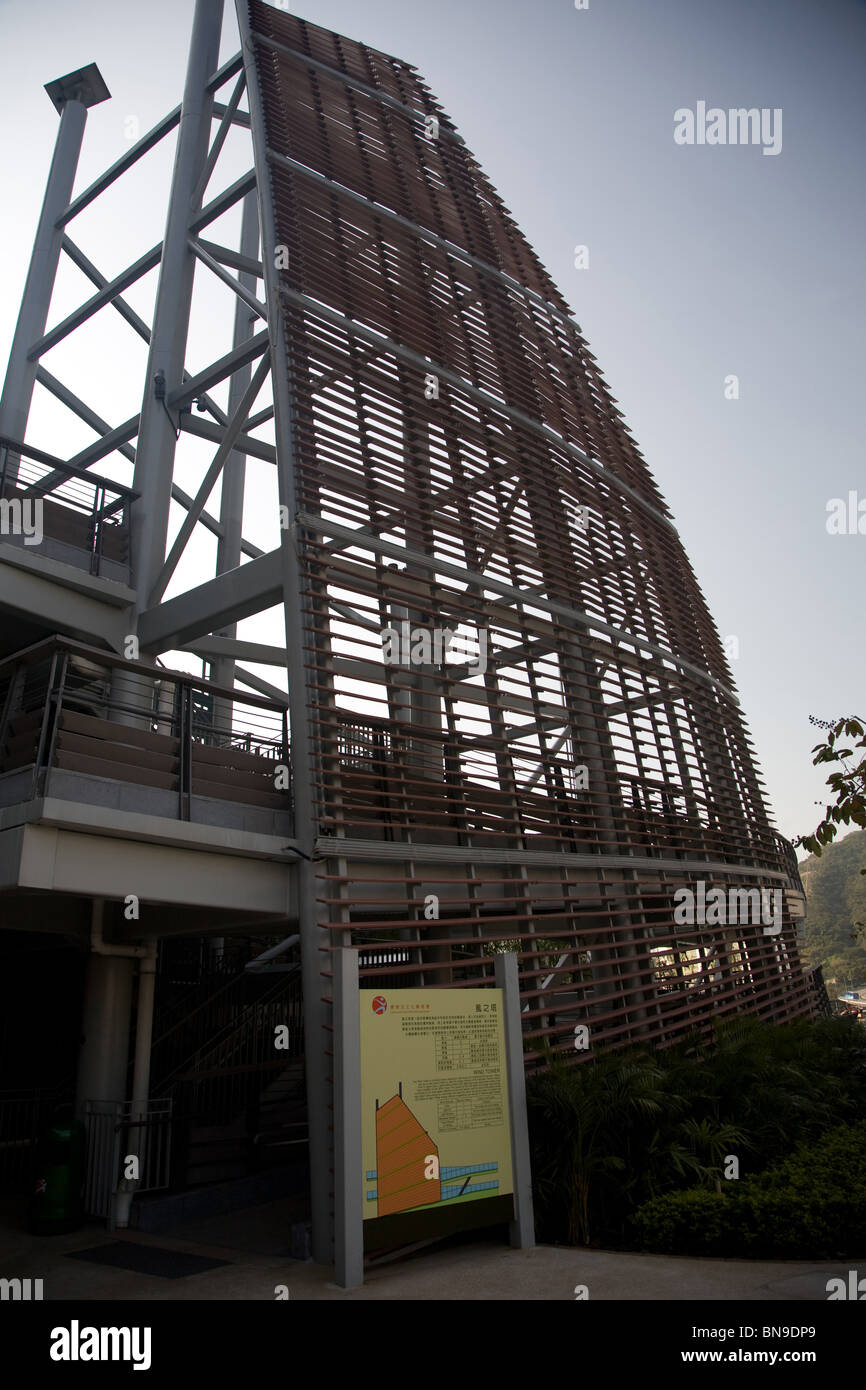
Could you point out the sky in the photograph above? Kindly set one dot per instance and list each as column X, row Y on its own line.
column 705, row 262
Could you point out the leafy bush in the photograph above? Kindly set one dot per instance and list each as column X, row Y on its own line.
column 695, row 1222
column 810, row 1205
column 611, row 1134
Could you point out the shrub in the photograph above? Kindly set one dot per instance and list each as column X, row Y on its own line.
column 695, row 1222
column 810, row 1205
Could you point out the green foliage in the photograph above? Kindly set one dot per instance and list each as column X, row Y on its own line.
column 695, row 1222
column 584, row 1120
column 836, row 894
column 811, row 1205
column 848, row 785
column 611, row 1134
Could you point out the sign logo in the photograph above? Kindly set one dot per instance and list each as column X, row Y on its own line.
column 380, row 1004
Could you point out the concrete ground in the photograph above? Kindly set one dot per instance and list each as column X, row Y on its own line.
column 255, row 1244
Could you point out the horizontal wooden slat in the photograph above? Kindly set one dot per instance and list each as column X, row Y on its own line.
column 113, row 732
column 234, row 777
column 232, row 757
column 115, row 771
column 118, row 752
column 245, row 795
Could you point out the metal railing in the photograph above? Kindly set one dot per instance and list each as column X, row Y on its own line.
column 82, row 510
column 181, row 1038
column 66, row 708
column 116, row 1131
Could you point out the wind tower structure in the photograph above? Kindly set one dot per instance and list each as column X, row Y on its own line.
column 499, row 716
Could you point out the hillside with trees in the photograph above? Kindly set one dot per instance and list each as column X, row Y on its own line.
column 836, row 894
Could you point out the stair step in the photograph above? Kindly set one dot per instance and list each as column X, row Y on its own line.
column 207, row 1134
column 215, row 1172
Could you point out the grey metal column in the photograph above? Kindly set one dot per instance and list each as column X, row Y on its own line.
column 234, row 470
column 522, row 1229
column 72, row 95
column 234, row 473
column 348, row 1156
column 154, row 460
column 313, row 938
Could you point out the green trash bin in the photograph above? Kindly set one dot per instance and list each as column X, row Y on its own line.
column 56, row 1205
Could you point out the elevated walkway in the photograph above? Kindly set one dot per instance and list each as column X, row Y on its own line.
column 117, row 777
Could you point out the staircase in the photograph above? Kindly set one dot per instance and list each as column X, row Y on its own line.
column 239, row 1100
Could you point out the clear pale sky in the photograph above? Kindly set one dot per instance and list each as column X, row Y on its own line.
column 703, row 262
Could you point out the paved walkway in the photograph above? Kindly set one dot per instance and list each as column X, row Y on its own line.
column 254, row 1243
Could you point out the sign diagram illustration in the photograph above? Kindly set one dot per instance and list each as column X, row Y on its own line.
column 434, row 1100
column 408, row 1172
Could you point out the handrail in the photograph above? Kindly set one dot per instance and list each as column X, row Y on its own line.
column 234, row 1029
column 99, row 656
column 60, row 465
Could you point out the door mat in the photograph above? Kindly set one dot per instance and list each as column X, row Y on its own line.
column 148, row 1259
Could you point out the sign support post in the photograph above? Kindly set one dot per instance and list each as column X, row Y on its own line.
column 348, row 1172
column 521, row 1232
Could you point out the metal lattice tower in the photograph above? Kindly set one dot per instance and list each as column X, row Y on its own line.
column 453, row 477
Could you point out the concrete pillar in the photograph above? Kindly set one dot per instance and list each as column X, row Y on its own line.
column 141, row 1075
column 104, row 1054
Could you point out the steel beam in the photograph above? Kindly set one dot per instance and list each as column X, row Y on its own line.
column 225, row 200
column 211, row 524
column 225, row 73
column 78, row 258
column 235, row 649
column 271, row 692
column 426, row 366
column 156, row 436
column 97, row 301
column 348, row 1128
column 39, row 285
column 228, row 598
column 208, row 483
column 365, row 541
column 240, row 118
column 218, row 141
column 79, row 408
column 219, row 370
column 234, row 472
column 236, row 259
column 236, row 287
column 395, row 851
column 244, row 444
column 120, row 166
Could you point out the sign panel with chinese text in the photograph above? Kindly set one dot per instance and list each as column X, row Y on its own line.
column 434, row 1098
